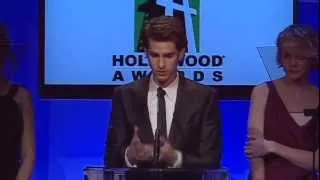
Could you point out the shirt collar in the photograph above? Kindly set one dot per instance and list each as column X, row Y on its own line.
column 171, row 89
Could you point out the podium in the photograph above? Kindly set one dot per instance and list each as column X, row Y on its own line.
column 99, row 173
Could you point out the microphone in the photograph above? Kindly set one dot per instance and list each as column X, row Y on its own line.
column 156, row 149
column 314, row 113
column 311, row 112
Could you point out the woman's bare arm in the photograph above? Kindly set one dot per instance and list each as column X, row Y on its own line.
column 256, row 121
column 24, row 99
column 301, row 158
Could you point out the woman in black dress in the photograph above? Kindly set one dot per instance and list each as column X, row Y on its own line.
column 17, row 142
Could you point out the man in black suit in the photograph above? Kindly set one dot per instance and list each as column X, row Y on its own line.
column 185, row 112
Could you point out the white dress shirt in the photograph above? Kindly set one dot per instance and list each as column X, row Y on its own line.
column 170, row 99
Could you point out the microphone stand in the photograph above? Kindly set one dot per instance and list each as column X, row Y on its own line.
column 156, row 156
column 314, row 113
column 156, row 149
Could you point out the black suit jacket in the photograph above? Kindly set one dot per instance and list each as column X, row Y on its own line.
column 195, row 129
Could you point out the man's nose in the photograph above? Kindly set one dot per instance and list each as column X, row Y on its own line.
column 161, row 63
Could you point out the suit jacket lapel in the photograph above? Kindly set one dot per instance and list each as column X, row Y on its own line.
column 180, row 114
column 143, row 120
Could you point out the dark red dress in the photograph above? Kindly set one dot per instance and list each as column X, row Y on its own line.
column 280, row 126
column 11, row 128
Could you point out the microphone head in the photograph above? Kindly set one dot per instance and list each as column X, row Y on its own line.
column 311, row 112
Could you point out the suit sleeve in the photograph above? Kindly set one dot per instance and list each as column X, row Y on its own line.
column 209, row 152
column 118, row 137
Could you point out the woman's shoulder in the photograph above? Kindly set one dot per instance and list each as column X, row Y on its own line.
column 315, row 94
column 261, row 89
column 315, row 89
column 22, row 95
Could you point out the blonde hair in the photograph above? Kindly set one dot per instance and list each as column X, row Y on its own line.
column 304, row 35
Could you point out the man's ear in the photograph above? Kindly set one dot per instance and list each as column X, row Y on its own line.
column 182, row 53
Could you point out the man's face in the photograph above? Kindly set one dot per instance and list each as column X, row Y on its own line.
column 164, row 58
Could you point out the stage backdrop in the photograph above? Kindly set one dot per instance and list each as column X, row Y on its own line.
column 71, row 133
column 98, row 44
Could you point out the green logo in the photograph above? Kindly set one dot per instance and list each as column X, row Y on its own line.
column 187, row 10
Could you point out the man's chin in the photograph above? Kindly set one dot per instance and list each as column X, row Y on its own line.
column 162, row 79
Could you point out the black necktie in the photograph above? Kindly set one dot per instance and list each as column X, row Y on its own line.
column 161, row 116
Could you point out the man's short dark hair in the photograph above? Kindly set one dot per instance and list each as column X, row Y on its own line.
column 165, row 28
